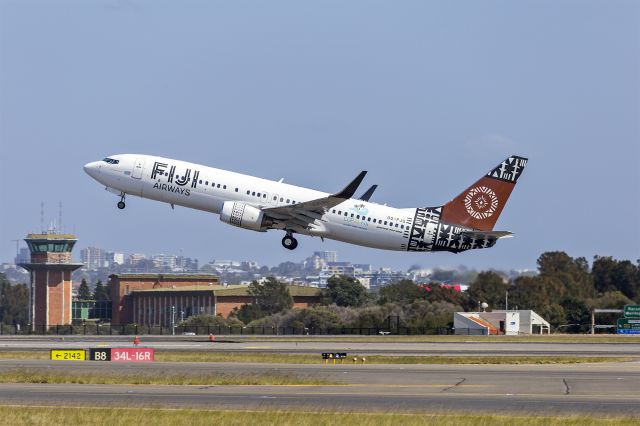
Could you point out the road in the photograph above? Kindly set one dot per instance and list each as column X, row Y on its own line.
column 611, row 389
column 230, row 344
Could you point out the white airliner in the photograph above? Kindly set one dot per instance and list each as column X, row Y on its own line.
column 258, row 204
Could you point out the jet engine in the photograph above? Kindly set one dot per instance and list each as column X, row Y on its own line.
column 244, row 216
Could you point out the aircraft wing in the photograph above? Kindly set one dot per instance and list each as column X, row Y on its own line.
column 302, row 215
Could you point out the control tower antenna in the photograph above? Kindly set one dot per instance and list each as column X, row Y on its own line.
column 60, row 218
column 42, row 216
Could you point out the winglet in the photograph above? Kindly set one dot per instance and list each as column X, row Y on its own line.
column 350, row 189
column 368, row 193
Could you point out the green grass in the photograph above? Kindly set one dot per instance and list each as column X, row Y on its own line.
column 58, row 377
column 22, row 415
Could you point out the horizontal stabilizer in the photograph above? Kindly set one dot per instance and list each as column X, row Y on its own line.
column 488, row 234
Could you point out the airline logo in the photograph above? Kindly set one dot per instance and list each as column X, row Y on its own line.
column 176, row 182
column 481, row 202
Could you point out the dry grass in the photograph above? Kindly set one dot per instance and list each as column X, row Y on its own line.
column 280, row 358
column 58, row 377
column 553, row 338
column 21, row 415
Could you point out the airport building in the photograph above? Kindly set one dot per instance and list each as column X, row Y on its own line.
column 167, row 306
column 499, row 322
column 50, row 268
column 123, row 285
column 159, row 299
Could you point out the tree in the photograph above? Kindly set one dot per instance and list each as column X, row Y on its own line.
column 84, row 293
column 345, row 291
column 14, row 302
column 268, row 298
column 488, row 287
column 404, row 291
column 612, row 275
column 101, row 292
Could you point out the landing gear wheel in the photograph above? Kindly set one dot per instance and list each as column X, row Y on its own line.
column 121, row 203
column 289, row 242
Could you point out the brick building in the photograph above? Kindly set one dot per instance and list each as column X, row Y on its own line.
column 156, row 306
column 123, row 285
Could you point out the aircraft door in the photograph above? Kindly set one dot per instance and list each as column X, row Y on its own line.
column 137, row 168
column 273, row 199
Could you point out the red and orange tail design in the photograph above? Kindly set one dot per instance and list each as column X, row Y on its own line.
column 479, row 206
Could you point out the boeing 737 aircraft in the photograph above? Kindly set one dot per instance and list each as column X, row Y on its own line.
column 257, row 204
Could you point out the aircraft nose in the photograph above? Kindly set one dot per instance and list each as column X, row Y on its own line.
column 92, row 169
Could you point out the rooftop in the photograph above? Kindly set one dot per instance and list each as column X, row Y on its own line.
column 168, row 277
column 51, row 236
column 233, row 290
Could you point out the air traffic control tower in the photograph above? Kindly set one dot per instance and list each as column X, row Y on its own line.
column 50, row 270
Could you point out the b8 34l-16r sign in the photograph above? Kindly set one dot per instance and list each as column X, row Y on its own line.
column 248, row 202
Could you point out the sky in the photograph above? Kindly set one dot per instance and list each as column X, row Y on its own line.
column 426, row 95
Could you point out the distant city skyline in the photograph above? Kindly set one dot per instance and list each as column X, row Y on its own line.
column 425, row 96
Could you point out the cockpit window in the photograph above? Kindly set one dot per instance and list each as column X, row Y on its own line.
column 110, row 160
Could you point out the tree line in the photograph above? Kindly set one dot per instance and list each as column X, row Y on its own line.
column 564, row 291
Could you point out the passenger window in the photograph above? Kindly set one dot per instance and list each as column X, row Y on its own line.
column 401, row 226
column 368, row 219
column 275, row 198
column 346, row 214
column 200, row 182
column 236, row 189
column 374, row 220
column 264, row 195
column 248, row 192
column 206, row 183
column 396, row 225
column 357, row 217
column 281, row 199
column 258, row 195
column 218, row 185
column 253, row 193
column 351, row 214
column 224, row 186
column 385, row 222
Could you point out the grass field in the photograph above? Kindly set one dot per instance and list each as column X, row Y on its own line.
column 270, row 358
column 22, row 375
column 552, row 338
column 21, row 415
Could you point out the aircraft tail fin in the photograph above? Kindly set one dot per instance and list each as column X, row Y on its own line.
column 480, row 205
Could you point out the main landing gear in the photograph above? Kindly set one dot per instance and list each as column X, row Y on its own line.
column 121, row 204
column 289, row 242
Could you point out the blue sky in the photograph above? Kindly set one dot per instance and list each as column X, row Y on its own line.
column 427, row 96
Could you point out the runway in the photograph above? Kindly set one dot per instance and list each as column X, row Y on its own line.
column 312, row 346
column 612, row 389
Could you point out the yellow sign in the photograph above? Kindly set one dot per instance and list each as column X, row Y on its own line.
column 68, row 355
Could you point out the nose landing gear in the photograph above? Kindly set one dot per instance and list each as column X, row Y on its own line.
column 121, row 204
column 289, row 242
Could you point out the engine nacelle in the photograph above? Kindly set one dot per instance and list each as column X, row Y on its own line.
column 244, row 216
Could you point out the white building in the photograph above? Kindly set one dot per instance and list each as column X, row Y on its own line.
column 499, row 322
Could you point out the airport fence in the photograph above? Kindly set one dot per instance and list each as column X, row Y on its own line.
column 203, row 330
